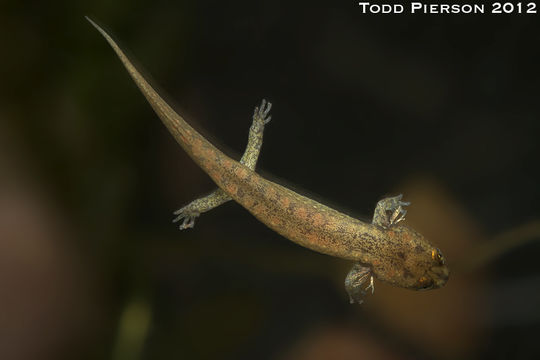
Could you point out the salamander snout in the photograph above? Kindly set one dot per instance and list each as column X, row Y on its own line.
column 434, row 278
column 437, row 275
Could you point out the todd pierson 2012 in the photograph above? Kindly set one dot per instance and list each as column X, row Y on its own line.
column 421, row 8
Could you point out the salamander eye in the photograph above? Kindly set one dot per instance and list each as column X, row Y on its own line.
column 436, row 255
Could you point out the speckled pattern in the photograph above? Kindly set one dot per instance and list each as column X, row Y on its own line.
column 191, row 211
column 393, row 252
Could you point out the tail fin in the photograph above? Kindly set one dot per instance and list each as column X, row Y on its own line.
column 177, row 126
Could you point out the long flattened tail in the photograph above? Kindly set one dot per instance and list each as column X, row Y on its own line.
column 190, row 140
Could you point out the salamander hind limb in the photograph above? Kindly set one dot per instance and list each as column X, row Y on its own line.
column 190, row 212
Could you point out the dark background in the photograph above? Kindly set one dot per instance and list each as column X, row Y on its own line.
column 443, row 109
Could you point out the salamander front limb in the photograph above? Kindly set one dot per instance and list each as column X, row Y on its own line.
column 390, row 211
column 191, row 211
column 355, row 280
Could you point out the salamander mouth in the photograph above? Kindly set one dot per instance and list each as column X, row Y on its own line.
column 434, row 278
column 439, row 274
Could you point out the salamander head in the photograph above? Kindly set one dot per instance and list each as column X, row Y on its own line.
column 410, row 261
column 436, row 275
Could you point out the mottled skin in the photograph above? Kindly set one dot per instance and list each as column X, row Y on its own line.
column 390, row 251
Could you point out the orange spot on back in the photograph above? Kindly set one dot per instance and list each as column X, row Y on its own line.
column 301, row 213
column 313, row 238
column 241, row 172
column 317, row 220
column 231, row 189
column 271, row 193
